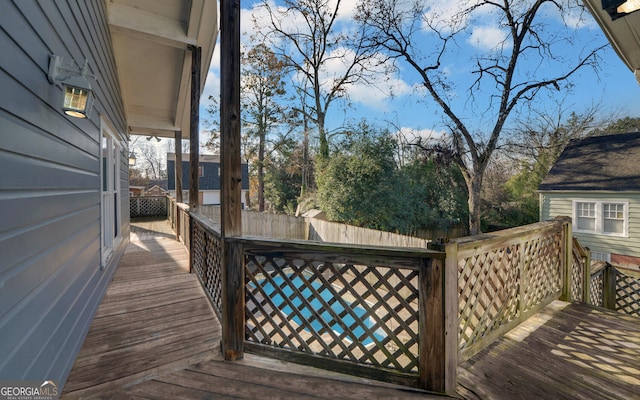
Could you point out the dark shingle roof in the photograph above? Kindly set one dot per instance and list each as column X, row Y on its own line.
column 610, row 162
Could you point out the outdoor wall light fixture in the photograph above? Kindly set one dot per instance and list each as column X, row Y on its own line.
column 620, row 8
column 132, row 159
column 74, row 81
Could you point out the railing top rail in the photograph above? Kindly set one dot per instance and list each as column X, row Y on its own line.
column 509, row 236
column 149, row 197
column 577, row 246
column 339, row 252
column 183, row 206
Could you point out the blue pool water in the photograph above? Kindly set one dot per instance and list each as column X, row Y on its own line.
column 358, row 331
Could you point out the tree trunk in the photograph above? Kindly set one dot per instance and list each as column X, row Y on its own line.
column 322, row 136
column 474, row 184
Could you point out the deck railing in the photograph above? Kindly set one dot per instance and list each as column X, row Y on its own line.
column 504, row 277
column 368, row 311
column 616, row 288
column 604, row 285
column 402, row 315
column 148, row 206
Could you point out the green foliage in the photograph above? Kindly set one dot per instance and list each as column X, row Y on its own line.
column 283, row 178
column 362, row 185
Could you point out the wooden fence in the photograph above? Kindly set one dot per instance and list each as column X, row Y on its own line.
column 278, row 226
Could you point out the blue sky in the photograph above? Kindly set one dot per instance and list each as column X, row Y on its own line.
column 615, row 87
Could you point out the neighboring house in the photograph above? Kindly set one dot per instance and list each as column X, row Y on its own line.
column 64, row 219
column 209, row 180
column 596, row 181
column 136, row 191
column 155, row 190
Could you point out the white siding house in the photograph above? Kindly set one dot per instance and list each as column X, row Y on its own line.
column 64, row 192
column 596, row 181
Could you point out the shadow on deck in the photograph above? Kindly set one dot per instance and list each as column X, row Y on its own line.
column 155, row 336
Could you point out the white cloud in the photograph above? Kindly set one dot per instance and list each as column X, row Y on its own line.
column 412, row 135
column 488, row 38
column 447, row 16
column 347, row 9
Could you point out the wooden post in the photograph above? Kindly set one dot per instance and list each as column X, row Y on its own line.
column 233, row 318
column 451, row 318
column 567, row 253
column 437, row 333
column 178, row 171
column 523, row 283
column 609, row 287
column 194, row 127
column 586, row 285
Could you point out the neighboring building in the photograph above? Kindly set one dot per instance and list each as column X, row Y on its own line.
column 64, row 219
column 209, row 181
column 155, row 190
column 596, row 181
column 136, row 191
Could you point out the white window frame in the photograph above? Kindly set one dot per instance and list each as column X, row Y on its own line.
column 600, row 256
column 599, row 217
column 111, row 199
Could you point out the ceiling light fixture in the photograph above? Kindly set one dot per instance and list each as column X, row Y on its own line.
column 620, row 8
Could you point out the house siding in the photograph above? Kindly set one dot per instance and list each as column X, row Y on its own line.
column 210, row 179
column 555, row 204
column 51, row 281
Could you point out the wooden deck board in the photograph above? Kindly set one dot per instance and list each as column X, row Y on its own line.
column 149, row 323
column 156, row 337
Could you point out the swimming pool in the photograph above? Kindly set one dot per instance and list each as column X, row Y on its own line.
column 358, row 332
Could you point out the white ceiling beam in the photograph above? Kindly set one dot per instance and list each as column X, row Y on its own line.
column 153, row 27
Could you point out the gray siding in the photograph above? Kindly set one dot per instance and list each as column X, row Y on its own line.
column 50, row 277
column 555, row 204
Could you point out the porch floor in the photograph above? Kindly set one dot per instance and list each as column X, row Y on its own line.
column 155, row 336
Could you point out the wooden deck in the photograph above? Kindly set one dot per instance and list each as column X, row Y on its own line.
column 156, row 337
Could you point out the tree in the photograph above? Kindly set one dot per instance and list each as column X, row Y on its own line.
column 306, row 35
column 263, row 87
column 535, row 145
column 364, row 185
column 499, row 81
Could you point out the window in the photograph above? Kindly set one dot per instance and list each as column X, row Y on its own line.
column 605, row 218
column 598, row 256
column 111, row 198
column 586, row 216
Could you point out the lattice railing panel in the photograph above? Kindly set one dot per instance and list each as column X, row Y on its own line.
column 487, row 285
column 596, row 290
column 627, row 293
column 360, row 313
column 148, row 206
column 206, row 253
column 542, row 269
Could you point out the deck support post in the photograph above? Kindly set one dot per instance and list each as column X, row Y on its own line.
column 438, row 320
column 567, row 257
column 194, row 134
column 178, row 169
column 233, row 318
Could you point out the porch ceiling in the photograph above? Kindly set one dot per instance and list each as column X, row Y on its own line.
column 150, row 40
column 623, row 33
